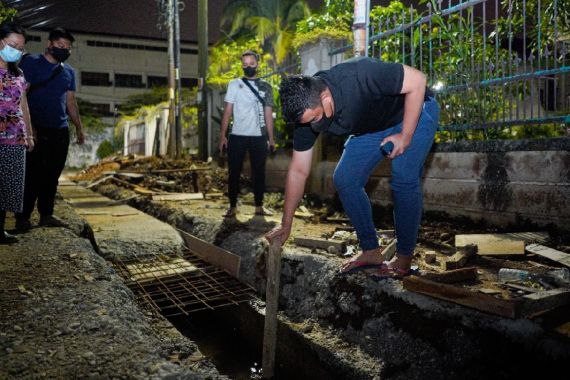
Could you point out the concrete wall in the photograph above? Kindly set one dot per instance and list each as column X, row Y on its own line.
column 501, row 182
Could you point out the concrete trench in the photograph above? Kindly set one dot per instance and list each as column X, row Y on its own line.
column 364, row 329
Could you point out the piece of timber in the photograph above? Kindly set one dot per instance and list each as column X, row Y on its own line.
column 390, row 250
column 452, row 276
column 465, row 297
column 157, row 171
column 492, row 244
column 549, row 253
column 99, row 181
column 460, row 258
column 271, row 305
column 178, row 197
column 537, row 303
column 320, row 243
column 212, row 253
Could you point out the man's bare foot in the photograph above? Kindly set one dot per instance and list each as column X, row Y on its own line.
column 364, row 259
column 400, row 262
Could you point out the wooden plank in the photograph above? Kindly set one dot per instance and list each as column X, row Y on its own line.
column 538, row 237
column 320, row 243
column 390, row 250
column 549, row 253
column 459, row 259
column 158, row 171
column 465, row 297
column 271, row 306
column 452, row 276
column 212, row 254
column 492, row 244
column 178, row 197
column 520, row 287
column 99, row 181
column 130, row 175
column 540, row 302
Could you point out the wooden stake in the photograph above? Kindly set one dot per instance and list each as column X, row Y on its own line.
column 271, row 304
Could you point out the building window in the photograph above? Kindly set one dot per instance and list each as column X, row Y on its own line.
column 156, row 81
column 95, row 79
column 118, row 45
column 189, row 82
column 31, row 37
column 129, row 80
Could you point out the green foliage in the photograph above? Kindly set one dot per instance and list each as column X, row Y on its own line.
column 6, row 14
column 105, row 149
column 272, row 22
column 334, row 22
column 225, row 60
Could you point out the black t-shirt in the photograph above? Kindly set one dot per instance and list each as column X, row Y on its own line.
column 366, row 95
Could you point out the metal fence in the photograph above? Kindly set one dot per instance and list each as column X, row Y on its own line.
column 495, row 65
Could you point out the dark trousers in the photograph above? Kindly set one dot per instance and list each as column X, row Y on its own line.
column 43, row 167
column 237, row 148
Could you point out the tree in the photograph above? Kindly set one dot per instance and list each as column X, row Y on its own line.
column 270, row 21
column 6, row 13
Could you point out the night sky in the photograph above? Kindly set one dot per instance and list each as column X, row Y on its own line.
column 135, row 18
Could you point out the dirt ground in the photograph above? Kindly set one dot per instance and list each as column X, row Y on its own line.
column 65, row 313
column 81, row 319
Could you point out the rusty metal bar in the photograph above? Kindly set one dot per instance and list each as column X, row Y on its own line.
column 203, row 287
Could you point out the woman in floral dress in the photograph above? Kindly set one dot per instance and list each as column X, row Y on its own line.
column 15, row 127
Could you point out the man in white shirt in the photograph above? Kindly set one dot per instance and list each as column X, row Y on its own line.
column 250, row 101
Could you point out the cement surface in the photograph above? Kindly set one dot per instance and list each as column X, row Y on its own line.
column 408, row 335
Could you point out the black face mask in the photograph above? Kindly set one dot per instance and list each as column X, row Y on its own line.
column 59, row 54
column 249, row 71
column 323, row 124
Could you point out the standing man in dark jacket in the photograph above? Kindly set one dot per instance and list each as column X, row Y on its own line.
column 377, row 104
column 51, row 98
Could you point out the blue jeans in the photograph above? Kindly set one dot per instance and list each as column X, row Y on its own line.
column 360, row 157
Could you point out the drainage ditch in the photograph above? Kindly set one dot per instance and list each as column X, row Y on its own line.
column 232, row 338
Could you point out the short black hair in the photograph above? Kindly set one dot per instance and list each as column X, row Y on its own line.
column 298, row 93
column 58, row 33
column 252, row 53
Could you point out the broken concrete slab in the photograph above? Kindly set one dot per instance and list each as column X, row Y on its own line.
column 492, row 244
column 460, row 258
column 312, row 242
column 549, row 253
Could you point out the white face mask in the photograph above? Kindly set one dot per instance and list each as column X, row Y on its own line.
column 10, row 54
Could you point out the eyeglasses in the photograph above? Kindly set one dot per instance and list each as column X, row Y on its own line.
column 22, row 50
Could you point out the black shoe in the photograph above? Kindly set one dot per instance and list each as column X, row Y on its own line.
column 6, row 238
column 51, row 221
column 23, row 225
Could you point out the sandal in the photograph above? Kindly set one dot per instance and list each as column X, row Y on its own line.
column 393, row 273
column 356, row 266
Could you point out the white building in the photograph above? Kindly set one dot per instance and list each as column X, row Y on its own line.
column 110, row 68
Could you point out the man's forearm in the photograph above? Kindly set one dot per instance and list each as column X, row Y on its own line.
column 294, row 190
column 412, row 110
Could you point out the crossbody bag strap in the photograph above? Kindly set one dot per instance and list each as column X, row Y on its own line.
column 254, row 91
column 54, row 73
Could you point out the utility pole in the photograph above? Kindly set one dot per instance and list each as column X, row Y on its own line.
column 178, row 82
column 202, row 72
column 360, row 27
column 171, row 80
